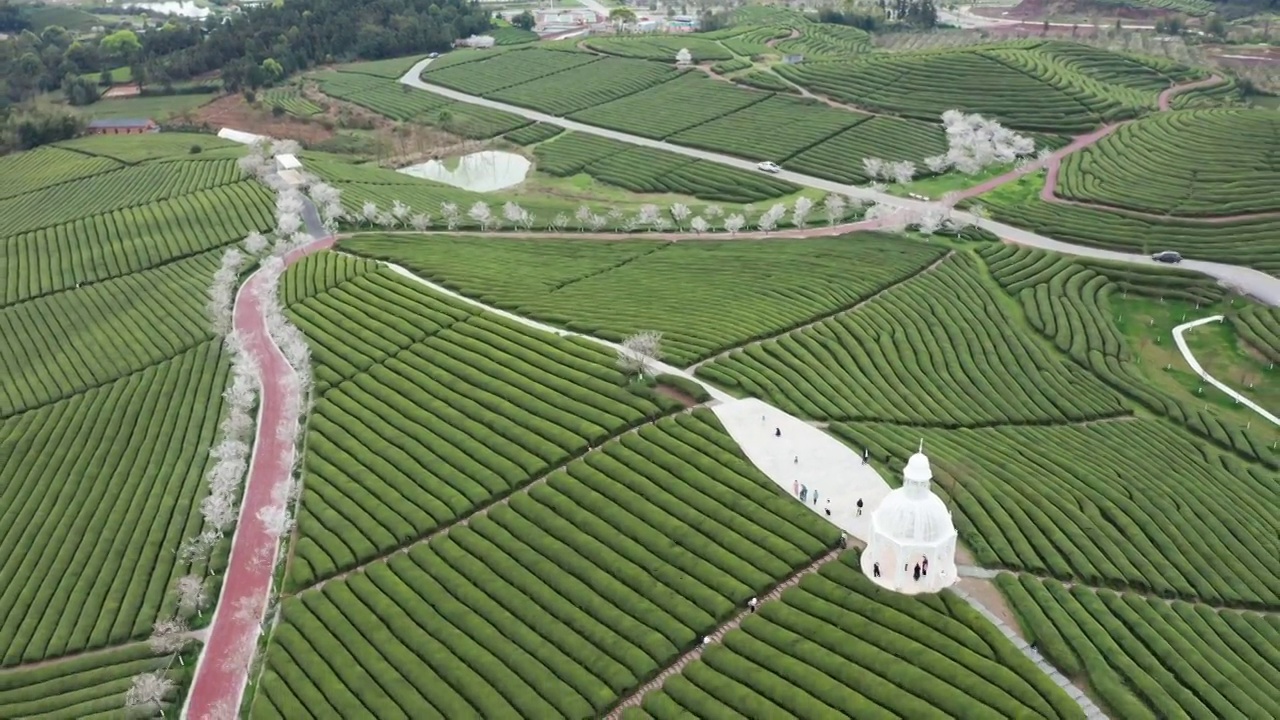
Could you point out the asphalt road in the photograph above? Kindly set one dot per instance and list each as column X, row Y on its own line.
column 1263, row 287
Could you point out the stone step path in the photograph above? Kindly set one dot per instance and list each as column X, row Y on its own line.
column 973, row 571
column 637, row 696
column 1091, row 711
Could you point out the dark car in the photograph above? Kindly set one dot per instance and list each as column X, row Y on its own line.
column 1167, row 256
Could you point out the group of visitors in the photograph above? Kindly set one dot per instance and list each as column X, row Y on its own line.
column 921, row 569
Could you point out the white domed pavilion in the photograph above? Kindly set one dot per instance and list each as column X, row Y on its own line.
column 912, row 528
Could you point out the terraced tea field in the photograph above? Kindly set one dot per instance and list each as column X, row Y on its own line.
column 1148, row 658
column 613, row 289
column 1184, row 164
column 838, row 646
column 388, row 97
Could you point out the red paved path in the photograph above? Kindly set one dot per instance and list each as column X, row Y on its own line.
column 223, row 668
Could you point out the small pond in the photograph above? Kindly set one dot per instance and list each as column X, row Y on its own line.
column 169, row 7
column 478, row 172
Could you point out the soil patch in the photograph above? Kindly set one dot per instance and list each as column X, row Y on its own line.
column 232, row 111
column 681, row 396
column 985, row 592
column 121, row 91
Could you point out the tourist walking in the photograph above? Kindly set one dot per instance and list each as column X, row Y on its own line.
column 844, row 540
column 924, row 567
column 815, row 498
column 795, row 487
column 751, row 604
column 866, row 455
column 875, row 570
column 859, row 506
column 797, row 460
column 777, row 432
column 917, row 572
column 804, row 493
column 827, row 508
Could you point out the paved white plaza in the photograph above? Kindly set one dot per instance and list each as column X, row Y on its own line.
column 825, row 464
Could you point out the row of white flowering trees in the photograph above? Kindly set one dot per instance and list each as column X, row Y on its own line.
column 973, row 143
column 233, row 446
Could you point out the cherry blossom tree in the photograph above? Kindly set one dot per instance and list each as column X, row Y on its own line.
column 711, row 212
column 648, row 215
column 583, row 216
column 698, row 225
column 596, row 222
column 196, row 549
column 420, row 221
column 148, row 689
column 679, row 213
column 452, row 216
column 834, row 206
column 481, row 213
column 559, row 222
column 734, row 223
column 512, row 213
column 191, row 593
column 937, row 164
column 399, row 213
column 255, row 243
column 800, row 212
column 902, row 172
column 635, row 352
column 684, row 58
column 288, row 224
column 931, row 218
column 169, row 637
column 275, row 519
column 369, row 212
column 873, row 168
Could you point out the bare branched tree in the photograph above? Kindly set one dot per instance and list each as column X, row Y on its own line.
column 148, row 689
column 192, row 595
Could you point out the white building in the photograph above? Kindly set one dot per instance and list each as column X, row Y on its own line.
column 912, row 529
column 476, row 41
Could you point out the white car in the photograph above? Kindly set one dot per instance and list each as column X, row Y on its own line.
column 768, row 167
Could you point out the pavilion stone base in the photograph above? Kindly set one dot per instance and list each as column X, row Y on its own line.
column 942, row 573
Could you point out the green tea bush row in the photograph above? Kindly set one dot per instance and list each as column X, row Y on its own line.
column 827, row 42
column 35, row 169
column 616, row 289
column 533, row 134
column 58, row 345
column 1182, row 163
column 504, row 70
column 1146, row 658
column 839, row 157
column 506, row 36
column 401, row 102
column 837, row 646
column 445, row 408
column 101, row 488
column 1068, row 302
column 730, row 66
column 391, row 68
column 125, row 241
column 1148, row 73
column 776, row 129
column 134, row 149
column 128, row 187
column 585, row 86
column 318, row 273
column 660, row 47
column 79, row 687
column 1254, row 242
column 936, row 350
column 1021, row 88
column 645, row 170
column 687, row 101
column 556, row 603
column 1134, row 504
column 1260, row 327
column 750, row 41
column 291, row 101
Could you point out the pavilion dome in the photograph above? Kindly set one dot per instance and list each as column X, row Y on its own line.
column 909, row 518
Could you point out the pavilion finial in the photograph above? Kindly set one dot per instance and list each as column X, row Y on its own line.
column 921, row 446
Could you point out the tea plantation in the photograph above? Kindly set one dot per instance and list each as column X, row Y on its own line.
column 497, row 519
